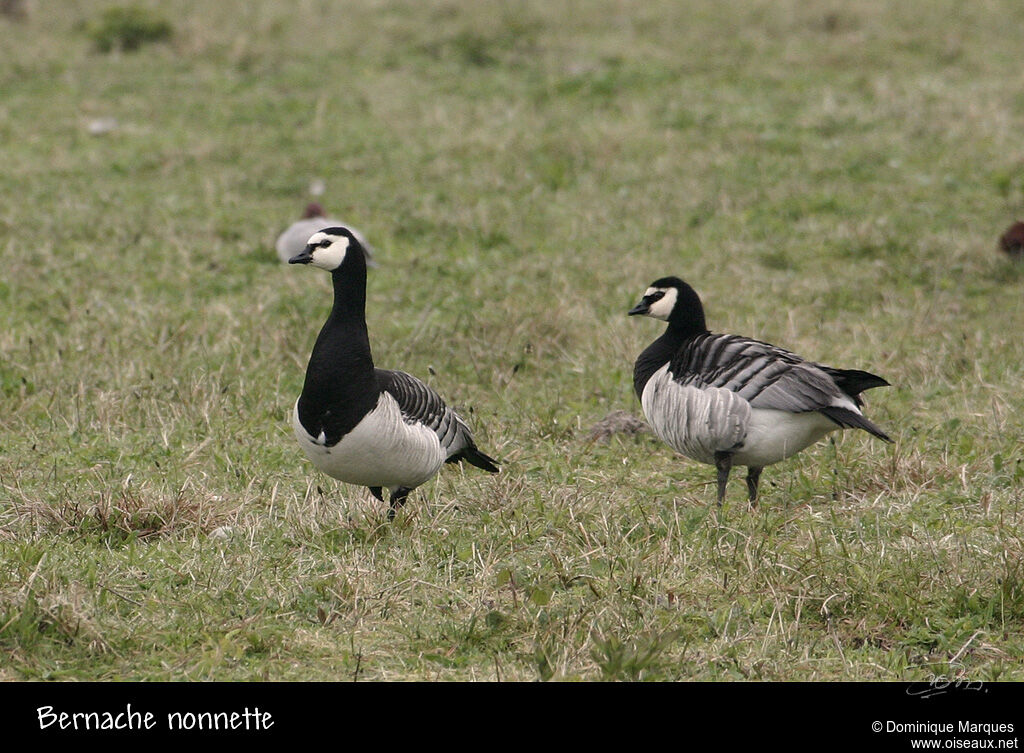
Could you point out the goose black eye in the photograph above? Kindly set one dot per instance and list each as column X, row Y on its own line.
column 324, row 243
column 656, row 296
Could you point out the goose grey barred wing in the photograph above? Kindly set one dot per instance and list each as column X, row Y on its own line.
column 764, row 375
column 773, row 378
column 421, row 404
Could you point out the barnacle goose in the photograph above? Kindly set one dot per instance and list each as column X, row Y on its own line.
column 728, row 400
column 293, row 238
column 360, row 424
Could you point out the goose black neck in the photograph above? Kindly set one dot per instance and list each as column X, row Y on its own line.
column 341, row 386
column 662, row 351
column 349, row 294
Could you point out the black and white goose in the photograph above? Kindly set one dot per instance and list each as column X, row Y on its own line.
column 728, row 400
column 363, row 425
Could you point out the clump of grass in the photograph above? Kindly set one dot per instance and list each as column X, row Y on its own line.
column 631, row 660
column 485, row 47
column 127, row 28
column 119, row 515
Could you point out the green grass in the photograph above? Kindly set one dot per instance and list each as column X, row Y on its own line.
column 831, row 178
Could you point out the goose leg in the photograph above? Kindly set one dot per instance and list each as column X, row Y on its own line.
column 377, row 492
column 753, row 476
column 723, row 462
column 398, row 497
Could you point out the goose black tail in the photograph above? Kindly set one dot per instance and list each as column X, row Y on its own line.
column 473, row 456
column 850, row 420
column 854, row 381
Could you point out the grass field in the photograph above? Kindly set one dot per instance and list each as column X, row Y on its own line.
column 831, row 177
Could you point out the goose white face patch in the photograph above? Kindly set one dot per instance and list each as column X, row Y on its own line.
column 329, row 251
column 662, row 308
